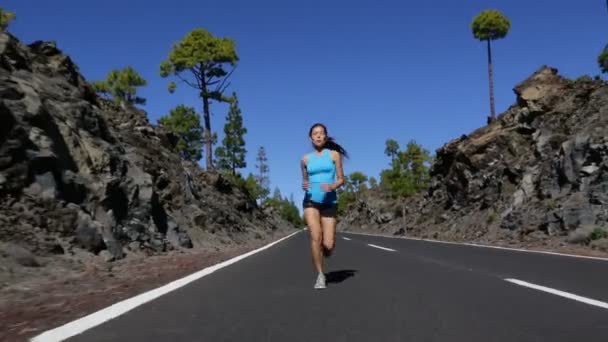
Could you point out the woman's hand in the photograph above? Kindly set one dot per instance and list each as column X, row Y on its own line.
column 328, row 187
column 305, row 185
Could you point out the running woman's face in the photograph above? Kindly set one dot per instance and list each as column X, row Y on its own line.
column 318, row 136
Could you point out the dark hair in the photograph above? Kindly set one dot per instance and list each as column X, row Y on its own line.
column 330, row 143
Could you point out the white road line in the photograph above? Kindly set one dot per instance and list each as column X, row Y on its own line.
column 482, row 246
column 560, row 293
column 383, row 248
column 345, row 238
column 80, row 325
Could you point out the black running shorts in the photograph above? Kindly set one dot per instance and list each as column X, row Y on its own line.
column 326, row 210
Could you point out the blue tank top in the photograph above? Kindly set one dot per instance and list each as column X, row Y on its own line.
column 321, row 170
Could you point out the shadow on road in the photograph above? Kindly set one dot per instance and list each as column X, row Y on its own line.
column 339, row 276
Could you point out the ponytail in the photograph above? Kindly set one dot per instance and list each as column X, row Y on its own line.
column 333, row 145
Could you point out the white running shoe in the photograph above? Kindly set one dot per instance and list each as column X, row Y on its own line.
column 320, row 284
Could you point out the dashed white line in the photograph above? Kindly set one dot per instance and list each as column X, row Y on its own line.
column 80, row 325
column 345, row 238
column 560, row 293
column 383, row 248
column 483, row 246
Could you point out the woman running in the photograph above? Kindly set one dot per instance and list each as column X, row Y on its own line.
column 322, row 174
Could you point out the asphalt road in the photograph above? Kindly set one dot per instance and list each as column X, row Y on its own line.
column 394, row 290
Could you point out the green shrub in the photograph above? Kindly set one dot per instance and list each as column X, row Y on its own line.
column 598, row 233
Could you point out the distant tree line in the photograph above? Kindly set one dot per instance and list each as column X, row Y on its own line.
column 407, row 174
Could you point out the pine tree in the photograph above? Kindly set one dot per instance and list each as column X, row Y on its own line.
column 602, row 60
column 358, row 180
column 373, row 183
column 409, row 173
column 231, row 155
column 252, row 186
column 121, row 86
column 391, row 149
column 276, row 195
column 490, row 25
column 185, row 123
column 263, row 173
column 5, row 19
column 204, row 57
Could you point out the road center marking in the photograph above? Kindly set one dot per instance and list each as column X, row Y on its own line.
column 482, row 246
column 383, row 248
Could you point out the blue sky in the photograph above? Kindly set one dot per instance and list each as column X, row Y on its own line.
column 369, row 70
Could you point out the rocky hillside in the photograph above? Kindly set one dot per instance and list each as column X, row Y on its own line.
column 79, row 178
column 536, row 176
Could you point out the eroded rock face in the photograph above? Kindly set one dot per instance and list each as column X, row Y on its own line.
column 539, row 172
column 78, row 172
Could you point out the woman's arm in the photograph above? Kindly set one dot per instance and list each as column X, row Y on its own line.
column 337, row 157
column 304, row 173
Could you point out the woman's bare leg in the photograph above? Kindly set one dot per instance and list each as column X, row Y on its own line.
column 328, row 226
column 313, row 221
